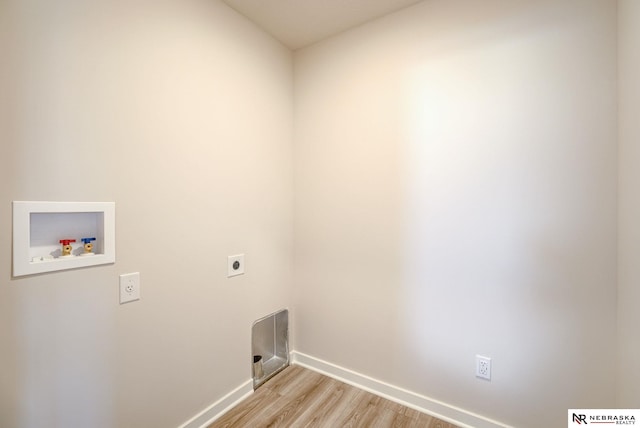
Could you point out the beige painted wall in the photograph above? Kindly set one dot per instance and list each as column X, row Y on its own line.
column 629, row 226
column 155, row 105
column 455, row 170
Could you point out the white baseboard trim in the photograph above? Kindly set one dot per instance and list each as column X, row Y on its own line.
column 446, row 412
column 220, row 407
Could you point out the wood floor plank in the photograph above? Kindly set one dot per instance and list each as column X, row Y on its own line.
column 297, row 406
column 336, row 406
column 259, row 405
column 301, row 398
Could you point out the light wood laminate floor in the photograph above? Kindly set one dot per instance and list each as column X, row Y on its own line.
column 298, row 397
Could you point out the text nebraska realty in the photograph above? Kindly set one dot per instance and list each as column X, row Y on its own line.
column 605, row 419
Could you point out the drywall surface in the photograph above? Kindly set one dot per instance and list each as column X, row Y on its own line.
column 629, row 215
column 455, row 194
column 179, row 112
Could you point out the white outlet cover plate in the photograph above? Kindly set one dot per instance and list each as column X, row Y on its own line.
column 483, row 367
column 129, row 287
column 231, row 270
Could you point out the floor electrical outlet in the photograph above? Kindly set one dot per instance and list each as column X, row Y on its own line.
column 483, row 367
column 129, row 287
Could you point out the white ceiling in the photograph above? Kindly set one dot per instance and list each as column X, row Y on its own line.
column 299, row 23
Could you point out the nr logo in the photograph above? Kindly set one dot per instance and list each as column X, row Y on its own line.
column 580, row 419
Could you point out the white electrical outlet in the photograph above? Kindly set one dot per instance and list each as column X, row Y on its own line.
column 235, row 265
column 129, row 287
column 483, row 367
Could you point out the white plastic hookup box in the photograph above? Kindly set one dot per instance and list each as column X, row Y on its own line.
column 38, row 228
